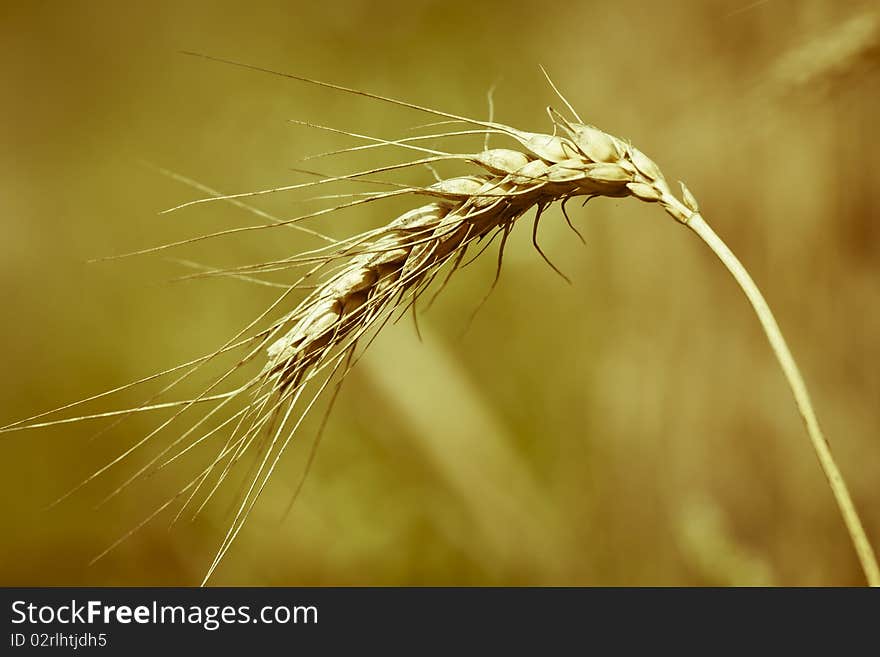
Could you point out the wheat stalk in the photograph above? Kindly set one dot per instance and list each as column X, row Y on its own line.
column 364, row 279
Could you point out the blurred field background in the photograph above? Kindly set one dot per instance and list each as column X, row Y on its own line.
column 630, row 429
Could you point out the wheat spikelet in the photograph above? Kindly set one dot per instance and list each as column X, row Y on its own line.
column 364, row 279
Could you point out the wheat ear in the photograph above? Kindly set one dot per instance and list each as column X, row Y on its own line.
column 391, row 267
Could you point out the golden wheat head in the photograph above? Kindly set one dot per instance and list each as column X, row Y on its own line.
column 355, row 285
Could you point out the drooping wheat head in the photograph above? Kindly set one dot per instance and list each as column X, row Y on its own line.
column 363, row 280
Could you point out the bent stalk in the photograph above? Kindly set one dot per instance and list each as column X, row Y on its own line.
column 851, row 518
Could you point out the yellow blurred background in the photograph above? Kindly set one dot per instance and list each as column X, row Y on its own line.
column 632, row 428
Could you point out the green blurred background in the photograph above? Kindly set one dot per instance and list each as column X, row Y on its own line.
column 630, row 429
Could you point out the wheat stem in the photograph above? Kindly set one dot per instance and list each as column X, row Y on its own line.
column 802, row 398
